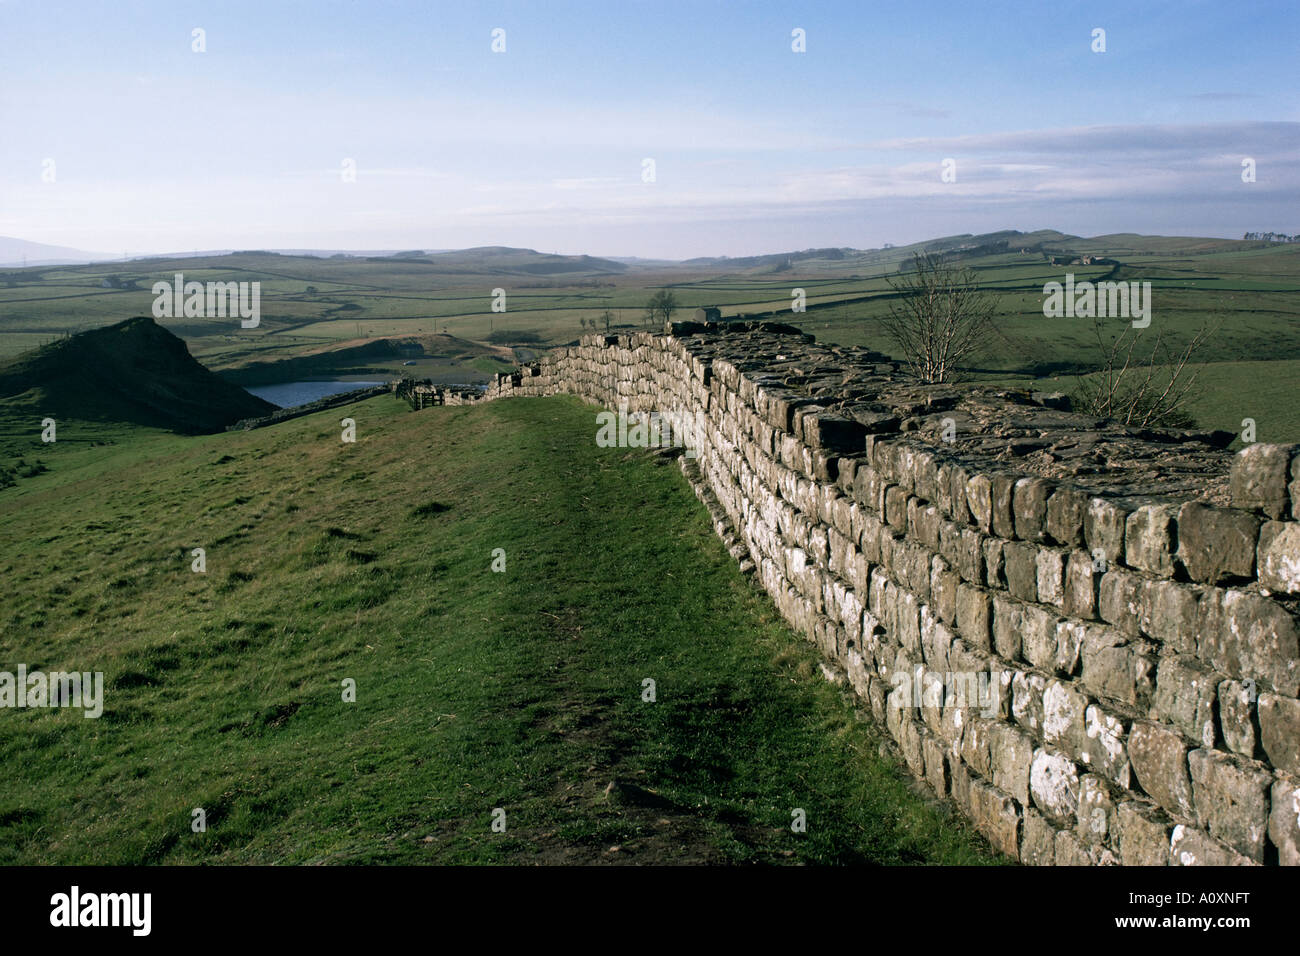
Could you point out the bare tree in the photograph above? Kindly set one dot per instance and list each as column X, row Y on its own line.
column 1141, row 387
column 607, row 317
column 941, row 317
column 661, row 306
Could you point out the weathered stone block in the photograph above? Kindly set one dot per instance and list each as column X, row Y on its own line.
column 1237, row 717
column 1169, row 614
column 975, row 741
column 1103, row 530
column 1081, row 582
column 979, row 498
column 1003, row 521
column 1038, row 636
column 1069, row 851
column 923, row 523
column 971, row 556
column 1029, row 505
column 1232, row 797
column 1284, row 822
column 1117, row 667
column 1021, row 569
column 1279, row 726
column 1054, row 786
column 1144, row 834
column 1150, row 538
column 1011, row 753
column 1065, row 510
column 1105, row 746
column 1185, row 697
column 1050, row 565
column 1120, row 600
column 1258, row 479
column 1192, row 847
column 1216, row 544
column 896, row 508
column 1096, row 823
column 974, row 615
column 1038, row 843
column 994, row 814
column 1007, row 620
column 943, row 590
column 936, row 764
column 1069, row 640
column 1159, row 758
column 1279, row 557
column 832, row 432
column 1063, row 712
column 1027, row 700
column 994, row 575
column 1245, row 635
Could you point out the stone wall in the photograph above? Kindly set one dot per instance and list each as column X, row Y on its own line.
column 1128, row 597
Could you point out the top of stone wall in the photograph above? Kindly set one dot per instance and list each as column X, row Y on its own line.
column 1034, row 434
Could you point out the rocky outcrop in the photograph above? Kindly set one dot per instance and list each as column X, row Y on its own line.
column 1084, row 635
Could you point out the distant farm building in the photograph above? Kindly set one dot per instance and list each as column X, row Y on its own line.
column 707, row 314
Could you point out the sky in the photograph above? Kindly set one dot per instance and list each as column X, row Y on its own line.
column 381, row 124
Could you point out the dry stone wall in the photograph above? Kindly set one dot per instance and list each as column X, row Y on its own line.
column 1084, row 636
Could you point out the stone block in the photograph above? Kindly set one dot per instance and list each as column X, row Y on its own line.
column 1037, row 845
column 1279, row 731
column 1150, row 537
column 1003, row 519
column 1116, row 666
column 974, row 615
column 1011, row 752
column 1232, row 800
column 1169, row 614
column 1007, row 620
column 1051, row 576
column 1144, row 834
column 979, row 498
column 1245, row 635
column 994, row 815
column 1081, row 582
column 1027, row 691
column 1021, row 569
column 1237, row 721
column 1284, row 821
column 1054, row 786
column 1189, row 846
column 1159, row 758
column 1103, row 530
column 1258, row 478
column 1029, row 506
column 1216, row 545
column 1279, row 557
column 1096, row 823
column 1065, row 510
column 1185, row 696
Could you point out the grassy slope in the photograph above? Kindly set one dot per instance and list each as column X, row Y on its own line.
column 476, row 690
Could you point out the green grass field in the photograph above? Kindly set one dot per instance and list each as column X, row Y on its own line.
column 475, row 690
column 1251, row 290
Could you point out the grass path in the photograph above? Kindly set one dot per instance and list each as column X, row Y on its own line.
column 476, row 690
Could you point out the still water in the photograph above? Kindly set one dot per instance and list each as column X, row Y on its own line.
column 293, row 394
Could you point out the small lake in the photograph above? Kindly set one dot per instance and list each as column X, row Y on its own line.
column 293, row 394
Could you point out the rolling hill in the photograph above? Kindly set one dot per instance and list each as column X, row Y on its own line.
column 134, row 371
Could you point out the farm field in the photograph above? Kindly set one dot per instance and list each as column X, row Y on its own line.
column 323, row 316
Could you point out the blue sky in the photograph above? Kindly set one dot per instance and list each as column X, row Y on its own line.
column 756, row 148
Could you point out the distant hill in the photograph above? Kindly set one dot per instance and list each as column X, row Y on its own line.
column 20, row 252
column 506, row 260
column 134, row 371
